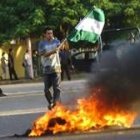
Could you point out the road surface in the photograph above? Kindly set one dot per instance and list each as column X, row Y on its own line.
column 25, row 102
column 26, row 88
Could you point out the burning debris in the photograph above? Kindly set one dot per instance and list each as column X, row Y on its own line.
column 114, row 87
column 89, row 114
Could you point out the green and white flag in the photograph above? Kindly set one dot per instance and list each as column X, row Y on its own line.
column 90, row 28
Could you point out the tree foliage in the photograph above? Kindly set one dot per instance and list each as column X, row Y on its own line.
column 19, row 18
column 27, row 17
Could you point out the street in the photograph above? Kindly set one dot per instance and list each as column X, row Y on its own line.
column 88, row 51
column 27, row 88
column 25, row 98
column 24, row 103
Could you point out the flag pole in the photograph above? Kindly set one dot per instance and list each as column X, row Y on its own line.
column 62, row 46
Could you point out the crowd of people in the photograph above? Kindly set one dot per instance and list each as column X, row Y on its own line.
column 31, row 65
column 10, row 64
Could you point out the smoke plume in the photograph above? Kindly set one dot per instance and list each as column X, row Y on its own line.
column 116, row 77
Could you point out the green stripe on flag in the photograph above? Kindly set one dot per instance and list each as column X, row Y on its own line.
column 97, row 14
column 83, row 35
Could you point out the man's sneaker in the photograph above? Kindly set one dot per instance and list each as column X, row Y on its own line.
column 51, row 105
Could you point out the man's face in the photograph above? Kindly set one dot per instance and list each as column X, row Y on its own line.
column 49, row 34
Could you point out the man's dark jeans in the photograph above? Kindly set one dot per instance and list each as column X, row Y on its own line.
column 52, row 80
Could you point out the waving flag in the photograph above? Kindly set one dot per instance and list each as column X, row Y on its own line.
column 90, row 28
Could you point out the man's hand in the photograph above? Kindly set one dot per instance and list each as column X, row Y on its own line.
column 47, row 54
column 57, row 49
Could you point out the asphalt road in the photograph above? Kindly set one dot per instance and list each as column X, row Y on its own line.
column 29, row 98
column 25, row 102
column 26, row 88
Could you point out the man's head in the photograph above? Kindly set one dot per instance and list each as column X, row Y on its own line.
column 48, row 33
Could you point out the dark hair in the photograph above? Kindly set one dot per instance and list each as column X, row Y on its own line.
column 47, row 28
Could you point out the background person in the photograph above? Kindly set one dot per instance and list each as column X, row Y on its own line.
column 66, row 63
column 27, row 63
column 35, row 62
column 12, row 71
column 4, row 66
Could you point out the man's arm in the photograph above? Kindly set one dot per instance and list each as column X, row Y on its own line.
column 47, row 54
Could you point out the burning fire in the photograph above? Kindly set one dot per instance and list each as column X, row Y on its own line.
column 89, row 114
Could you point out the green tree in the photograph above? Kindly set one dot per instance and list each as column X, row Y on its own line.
column 122, row 13
column 27, row 17
column 19, row 18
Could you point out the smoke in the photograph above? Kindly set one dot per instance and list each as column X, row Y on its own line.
column 116, row 78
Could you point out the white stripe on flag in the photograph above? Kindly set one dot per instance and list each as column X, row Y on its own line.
column 90, row 25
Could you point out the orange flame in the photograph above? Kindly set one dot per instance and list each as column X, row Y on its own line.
column 89, row 114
